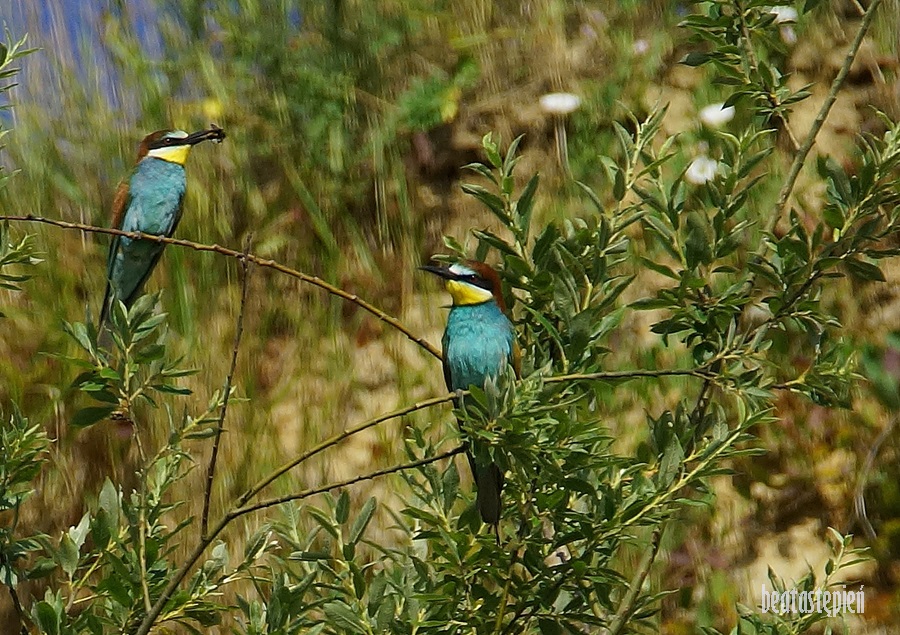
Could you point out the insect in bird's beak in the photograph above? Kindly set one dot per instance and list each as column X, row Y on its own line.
column 215, row 133
column 218, row 132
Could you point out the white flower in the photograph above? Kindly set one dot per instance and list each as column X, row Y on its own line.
column 715, row 115
column 701, row 170
column 784, row 14
column 640, row 46
column 788, row 35
column 560, row 103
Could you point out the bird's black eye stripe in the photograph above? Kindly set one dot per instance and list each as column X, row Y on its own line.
column 166, row 141
column 478, row 281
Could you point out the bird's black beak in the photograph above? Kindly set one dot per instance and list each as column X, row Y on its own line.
column 215, row 133
column 441, row 271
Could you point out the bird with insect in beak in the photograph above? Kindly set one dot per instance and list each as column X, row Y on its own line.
column 479, row 342
column 148, row 201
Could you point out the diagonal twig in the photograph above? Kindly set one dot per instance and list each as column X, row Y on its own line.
column 616, row 375
column 626, row 608
column 701, row 372
column 859, row 497
column 806, row 146
column 231, row 253
column 278, row 500
column 241, row 507
column 205, row 541
column 17, row 604
column 334, row 440
column 239, row 330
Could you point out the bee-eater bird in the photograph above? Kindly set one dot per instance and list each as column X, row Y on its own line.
column 148, row 201
column 479, row 342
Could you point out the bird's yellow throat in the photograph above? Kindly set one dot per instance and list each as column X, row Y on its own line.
column 172, row 154
column 464, row 293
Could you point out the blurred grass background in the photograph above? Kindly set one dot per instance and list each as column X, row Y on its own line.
column 348, row 122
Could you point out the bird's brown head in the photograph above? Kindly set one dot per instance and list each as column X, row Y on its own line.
column 175, row 145
column 470, row 282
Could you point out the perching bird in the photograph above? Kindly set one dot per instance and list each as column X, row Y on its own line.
column 478, row 343
column 148, row 201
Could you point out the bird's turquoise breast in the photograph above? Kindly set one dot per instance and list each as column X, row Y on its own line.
column 477, row 343
column 156, row 190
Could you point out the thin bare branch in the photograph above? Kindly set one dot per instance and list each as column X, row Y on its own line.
column 334, row 440
column 241, row 508
column 278, row 500
column 859, row 497
column 626, row 608
column 20, row 613
column 806, row 146
column 231, row 253
column 205, row 541
column 614, row 375
column 239, row 330
column 434, row 401
column 142, row 522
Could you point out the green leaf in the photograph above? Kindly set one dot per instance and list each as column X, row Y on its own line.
column 342, row 510
column 549, row 626
column 43, row 567
column 490, row 200
column 47, row 618
column 834, row 216
column 171, row 390
column 864, row 270
column 78, row 331
column 453, row 245
column 670, row 464
column 149, row 354
column 494, row 241
column 664, row 234
column 659, row 268
column 619, row 184
column 525, row 205
column 696, row 58
column 67, row 555
column 256, row 545
column 450, row 486
column 343, row 618
column 362, row 520
column 89, row 416
column 649, row 304
column 324, row 521
column 624, row 137
column 385, row 614
column 483, row 170
column 810, row 5
column 490, row 149
column 698, row 243
column 511, row 159
column 115, row 585
column 541, row 252
column 80, row 531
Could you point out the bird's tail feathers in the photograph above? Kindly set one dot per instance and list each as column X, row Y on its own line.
column 489, row 485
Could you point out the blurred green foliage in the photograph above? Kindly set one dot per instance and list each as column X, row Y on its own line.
column 348, row 122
